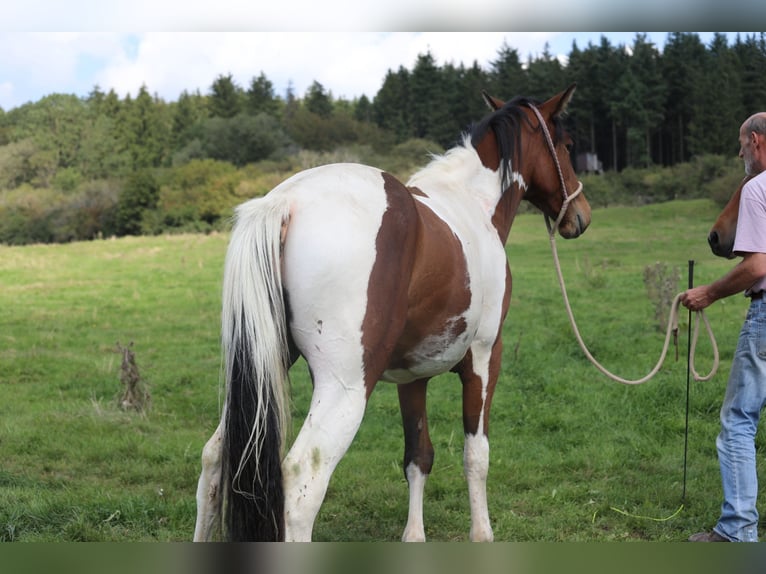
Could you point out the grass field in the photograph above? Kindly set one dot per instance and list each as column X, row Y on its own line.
column 574, row 456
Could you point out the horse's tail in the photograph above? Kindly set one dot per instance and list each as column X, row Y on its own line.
column 256, row 361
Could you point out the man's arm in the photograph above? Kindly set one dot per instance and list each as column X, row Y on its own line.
column 743, row 275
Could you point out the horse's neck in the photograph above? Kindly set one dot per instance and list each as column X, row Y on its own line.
column 506, row 209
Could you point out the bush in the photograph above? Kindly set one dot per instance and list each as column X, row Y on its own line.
column 243, row 139
column 709, row 176
column 88, row 214
column 140, row 194
column 195, row 197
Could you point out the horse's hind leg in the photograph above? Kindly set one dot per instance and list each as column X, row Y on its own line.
column 418, row 454
column 208, row 490
column 336, row 412
column 478, row 372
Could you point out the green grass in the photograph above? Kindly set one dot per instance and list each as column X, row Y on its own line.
column 571, row 452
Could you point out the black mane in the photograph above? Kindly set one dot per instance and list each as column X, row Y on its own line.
column 505, row 123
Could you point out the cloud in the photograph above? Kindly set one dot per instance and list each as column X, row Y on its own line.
column 347, row 63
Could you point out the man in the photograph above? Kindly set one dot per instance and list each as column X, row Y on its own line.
column 746, row 389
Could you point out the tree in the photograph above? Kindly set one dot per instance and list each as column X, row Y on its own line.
column 627, row 115
column 243, row 139
column 683, row 63
column 363, row 111
column 610, row 63
column 646, row 118
column 466, row 105
column 187, row 113
column 585, row 107
column 507, row 76
column 720, row 108
column 545, row 75
column 144, row 130
column 428, row 100
column 139, row 195
column 225, row 97
column 55, row 123
column 752, row 60
column 317, row 101
column 260, row 97
column 390, row 107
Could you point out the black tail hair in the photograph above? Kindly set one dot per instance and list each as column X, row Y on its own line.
column 254, row 499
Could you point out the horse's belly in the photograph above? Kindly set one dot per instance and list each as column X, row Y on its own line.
column 432, row 356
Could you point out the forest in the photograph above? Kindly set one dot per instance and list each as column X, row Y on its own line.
column 662, row 120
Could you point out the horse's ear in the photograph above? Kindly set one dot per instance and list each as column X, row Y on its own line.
column 557, row 105
column 493, row 103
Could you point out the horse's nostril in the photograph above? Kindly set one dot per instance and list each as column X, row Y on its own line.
column 580, row 224
column 712, row 239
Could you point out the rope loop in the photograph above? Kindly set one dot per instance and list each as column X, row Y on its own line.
column 671, row 329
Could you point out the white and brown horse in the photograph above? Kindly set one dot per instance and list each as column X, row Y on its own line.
column 370, row 279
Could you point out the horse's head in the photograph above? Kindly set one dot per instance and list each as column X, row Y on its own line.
column 721, row 236
column 545, row 164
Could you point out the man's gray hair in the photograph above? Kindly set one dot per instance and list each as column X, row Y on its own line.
column 757, row 123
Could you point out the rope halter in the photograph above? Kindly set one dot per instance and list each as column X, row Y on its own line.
column 567, row 197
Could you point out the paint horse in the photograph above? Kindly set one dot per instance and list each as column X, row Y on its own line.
column 724, row 230
column 373, row 280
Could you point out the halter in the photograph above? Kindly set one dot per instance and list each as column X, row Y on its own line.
column 567, row 198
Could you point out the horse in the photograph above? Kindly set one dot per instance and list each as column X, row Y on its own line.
column 723, row 232
column 370, row 279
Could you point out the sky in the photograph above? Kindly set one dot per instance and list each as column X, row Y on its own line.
column 173, row 45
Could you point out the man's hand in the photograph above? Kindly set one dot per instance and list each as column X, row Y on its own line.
column 697, row 298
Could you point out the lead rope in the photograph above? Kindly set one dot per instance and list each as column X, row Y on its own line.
column 671, row 329
column 672, row 319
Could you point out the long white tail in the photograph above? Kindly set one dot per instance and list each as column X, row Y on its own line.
column 256, row 361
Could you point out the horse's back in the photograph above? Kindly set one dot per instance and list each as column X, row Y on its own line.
column 335, row 215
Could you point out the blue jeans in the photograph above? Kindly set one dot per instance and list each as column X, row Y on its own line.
column 741, row 410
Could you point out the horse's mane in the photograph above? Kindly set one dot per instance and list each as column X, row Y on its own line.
column 505, row 124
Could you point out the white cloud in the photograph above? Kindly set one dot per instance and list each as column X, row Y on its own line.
column 349, row 64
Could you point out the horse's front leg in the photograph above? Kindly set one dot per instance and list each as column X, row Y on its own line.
column 418, row 454
column 478, row 372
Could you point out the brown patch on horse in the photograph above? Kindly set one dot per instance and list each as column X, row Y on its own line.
column 506, row 208
column 505, row 211
column 418, row 448
column 387, row 289
column 487, row 151
column 439, row 292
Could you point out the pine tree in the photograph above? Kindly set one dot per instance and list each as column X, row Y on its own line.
column 318, row 101
column 507, row 76
column 260, row 97
column 225, row 97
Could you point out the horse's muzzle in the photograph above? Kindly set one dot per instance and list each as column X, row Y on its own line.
column 574, row 226
column 717, row 247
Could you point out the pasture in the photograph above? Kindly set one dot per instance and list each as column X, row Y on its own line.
column 574, row 456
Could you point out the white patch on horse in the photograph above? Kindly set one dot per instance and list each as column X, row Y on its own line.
column 415, row 530
column 476, row 466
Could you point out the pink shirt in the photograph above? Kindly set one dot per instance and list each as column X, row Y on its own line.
column 751, row 225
